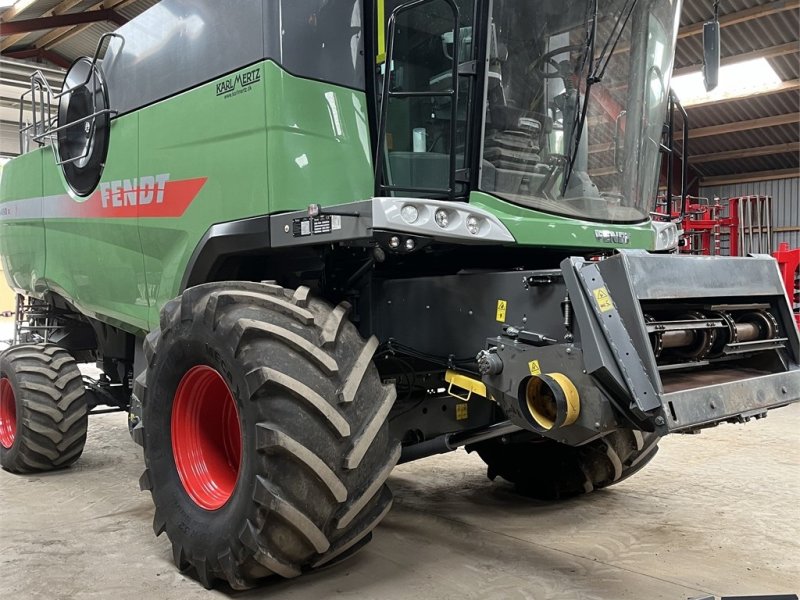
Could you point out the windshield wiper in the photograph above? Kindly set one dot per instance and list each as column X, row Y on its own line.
column 611, row 42
column 596, row 75
column 579, row 114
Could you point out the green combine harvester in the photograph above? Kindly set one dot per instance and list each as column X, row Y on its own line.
column 306, row 240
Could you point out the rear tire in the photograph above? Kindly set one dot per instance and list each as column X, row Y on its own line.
column 43, row 411
column 294, row 467
column 547, row 470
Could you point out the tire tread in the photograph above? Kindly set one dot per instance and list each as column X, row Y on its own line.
column 51, row 408
column 564, row 471
column 319, row 488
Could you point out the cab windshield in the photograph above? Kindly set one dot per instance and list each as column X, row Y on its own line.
column 576, row 96
column 576, row 99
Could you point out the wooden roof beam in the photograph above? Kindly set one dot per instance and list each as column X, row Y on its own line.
column 595, row 148
column 784, row 86
column 742, row 16
column 603, row 172
column 772, row 121
column 770, row 52
column 66, row 20
column 58, row 36
column 59, row 9
column 748, row 177
column 13, row 11
column 745, row 153
column 40, row 54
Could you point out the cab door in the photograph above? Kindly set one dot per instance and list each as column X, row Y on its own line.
column 425, row 112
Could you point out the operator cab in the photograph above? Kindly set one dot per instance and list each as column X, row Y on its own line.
column 558, row 104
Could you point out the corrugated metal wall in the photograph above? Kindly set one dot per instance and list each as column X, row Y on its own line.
column 785, row 195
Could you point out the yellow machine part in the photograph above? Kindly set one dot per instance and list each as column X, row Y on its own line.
column 541, row 394
column 381, row 18
column 464, row 382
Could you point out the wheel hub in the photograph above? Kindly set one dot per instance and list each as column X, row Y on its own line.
column 206, row 437
column 8, row 414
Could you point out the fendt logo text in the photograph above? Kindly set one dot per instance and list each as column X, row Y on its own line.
column 134, row 192
column 611, row 237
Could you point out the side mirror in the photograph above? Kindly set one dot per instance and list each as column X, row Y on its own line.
column 711, row 54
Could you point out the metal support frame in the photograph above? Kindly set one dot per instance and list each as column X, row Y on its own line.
column 723, row 226
column 754, row 224
column 452, row 441
column 26, row 311
column 789, row 266
column 711, row 227
column 669, row 149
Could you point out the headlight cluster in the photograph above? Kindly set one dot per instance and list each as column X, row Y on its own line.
column 437, row 220
column 666, row 236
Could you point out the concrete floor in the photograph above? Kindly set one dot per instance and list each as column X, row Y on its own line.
column 713, row 514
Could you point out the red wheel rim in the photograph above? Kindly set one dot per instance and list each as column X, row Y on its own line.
column 8, row 414
column 206, row 437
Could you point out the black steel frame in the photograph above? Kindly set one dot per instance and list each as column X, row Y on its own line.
column 671, row 152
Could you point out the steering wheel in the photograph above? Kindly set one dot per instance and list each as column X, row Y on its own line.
column 547, row 58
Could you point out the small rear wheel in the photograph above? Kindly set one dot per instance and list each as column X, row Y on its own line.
column 547, row 470
column 43, row 411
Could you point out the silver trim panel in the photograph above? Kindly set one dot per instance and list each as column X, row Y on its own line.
column 387, row 215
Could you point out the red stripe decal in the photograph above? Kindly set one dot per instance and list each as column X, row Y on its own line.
column 148, row 197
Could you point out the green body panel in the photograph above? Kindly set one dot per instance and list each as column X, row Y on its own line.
column 285, row 144
column 198, row 134
column 22, row 240
column 533, row 228
column 318, row 140
column 279, row 144
column 97, row 263
column 276, row 145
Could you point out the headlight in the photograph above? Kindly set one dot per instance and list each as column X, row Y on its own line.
column 410, row 213
column 442, row 218
column 473, row 224
column 666, row 236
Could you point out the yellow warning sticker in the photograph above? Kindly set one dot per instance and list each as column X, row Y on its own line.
column 462, row 411
column 502, row 305
column 534, row 367
column 603, row 298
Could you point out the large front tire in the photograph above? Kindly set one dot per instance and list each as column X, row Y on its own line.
column 265, row 432
column 547, row 470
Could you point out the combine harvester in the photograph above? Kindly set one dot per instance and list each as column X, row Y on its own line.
column 306, row 243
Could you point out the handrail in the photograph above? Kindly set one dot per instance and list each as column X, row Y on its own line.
column 42, row 98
